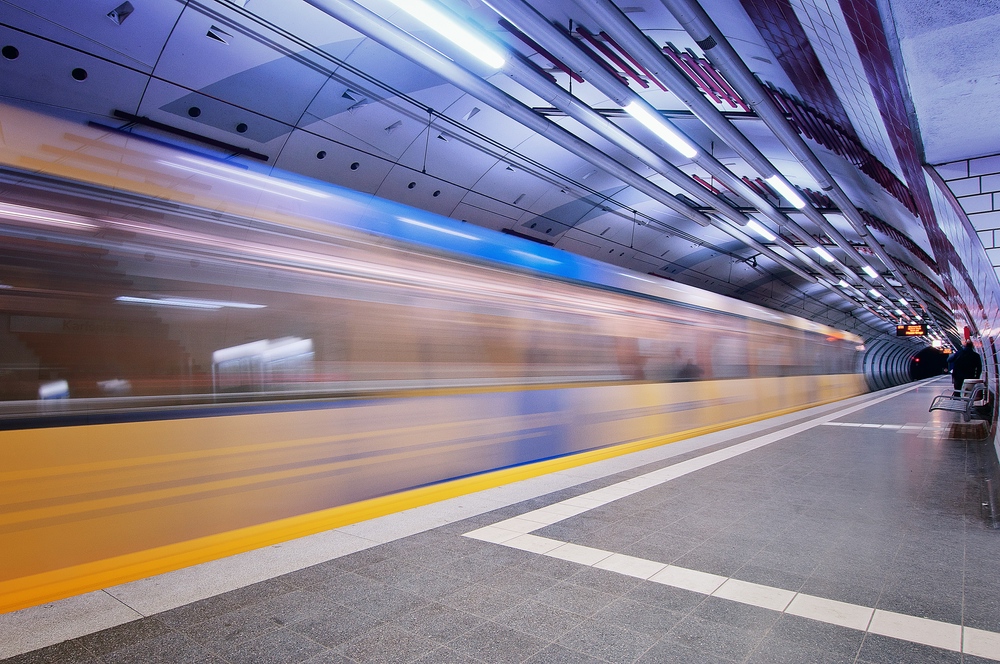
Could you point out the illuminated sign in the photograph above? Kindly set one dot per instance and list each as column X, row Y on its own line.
column 913, row 330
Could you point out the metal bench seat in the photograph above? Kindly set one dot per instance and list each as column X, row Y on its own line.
column 971, row 394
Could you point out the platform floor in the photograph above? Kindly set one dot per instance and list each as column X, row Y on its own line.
column 853, row 532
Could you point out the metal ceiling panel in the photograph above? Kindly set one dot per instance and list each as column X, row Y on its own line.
column 134, row 41
column 46, row 73
column 513, row 185
column 301, row 154
column 173, row 106
column 582, row 245
column 409, row 186
column 383, row 128
column 298, row 21
column 436, row 196
column 559, row 204
column 454, row 158
column 494, row 205
column 603, row 226
column 243, row 70
column 480, row 216
column 394, row 74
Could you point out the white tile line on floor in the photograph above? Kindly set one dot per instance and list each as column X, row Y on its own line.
column 944, row 426
column 48, row 624
column 516, row 533
column 935, row 633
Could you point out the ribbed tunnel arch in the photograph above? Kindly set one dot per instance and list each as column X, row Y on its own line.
column 887, row 362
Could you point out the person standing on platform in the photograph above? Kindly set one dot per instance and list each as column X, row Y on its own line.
column 967, row 364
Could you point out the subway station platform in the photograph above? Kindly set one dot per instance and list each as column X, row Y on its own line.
column 852, row 532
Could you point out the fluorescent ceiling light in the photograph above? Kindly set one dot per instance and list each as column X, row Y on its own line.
column 919, row 317
column 903, row 302
column 658, row 126
column 824, row 254
column 874, row 292
column 844, row 284
column 762, row 230
column 899, row 312
column 187, row 302
column 870, row 271
column 786, row 190
column 459, row 33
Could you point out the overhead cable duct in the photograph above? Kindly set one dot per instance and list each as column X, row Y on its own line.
column 720, row 52
column 367, row 23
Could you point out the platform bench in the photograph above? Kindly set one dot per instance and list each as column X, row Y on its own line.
column 963, row 402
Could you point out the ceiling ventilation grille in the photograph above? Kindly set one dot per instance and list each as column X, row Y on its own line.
column 360, row 101
column 219, row 35
column 121, row 12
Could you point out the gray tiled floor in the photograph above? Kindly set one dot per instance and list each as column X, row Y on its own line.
column 882, row 518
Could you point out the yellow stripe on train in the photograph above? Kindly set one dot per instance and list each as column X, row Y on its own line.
column 87, row 507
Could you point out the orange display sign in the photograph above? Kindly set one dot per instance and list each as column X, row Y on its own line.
column 911, row 330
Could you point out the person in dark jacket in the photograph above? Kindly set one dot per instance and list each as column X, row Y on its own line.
column 967, row 364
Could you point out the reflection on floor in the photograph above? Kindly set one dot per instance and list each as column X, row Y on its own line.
column 851, row 532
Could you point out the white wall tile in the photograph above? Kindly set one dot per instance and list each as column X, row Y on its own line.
column 984, row 165
column 990, row 183
column 956, row 169
column 985, row 221
column 981, row 203
column 964, row 187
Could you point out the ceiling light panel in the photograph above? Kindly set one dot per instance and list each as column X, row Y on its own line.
column 468, row 37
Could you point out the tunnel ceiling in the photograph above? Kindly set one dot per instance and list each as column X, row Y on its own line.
column 542, row 147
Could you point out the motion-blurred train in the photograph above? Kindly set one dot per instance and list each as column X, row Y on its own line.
column 198, row 359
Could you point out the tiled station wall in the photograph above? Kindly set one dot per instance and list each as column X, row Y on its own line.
column 976, row 185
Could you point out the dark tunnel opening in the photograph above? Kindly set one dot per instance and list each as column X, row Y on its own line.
column 927, row 363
